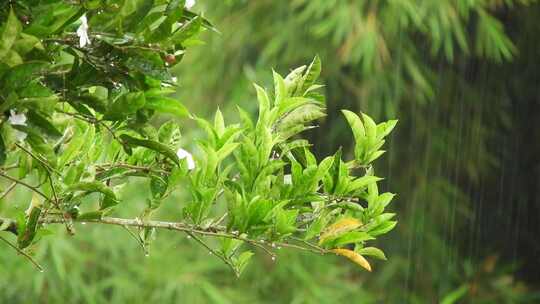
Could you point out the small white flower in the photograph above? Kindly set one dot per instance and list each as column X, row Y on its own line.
column 181, row 153
column 20, row 120
column 82, row 32
column 189, row 4
column 287, row 179
column 17, row 119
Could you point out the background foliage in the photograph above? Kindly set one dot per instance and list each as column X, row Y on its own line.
column 461, row 77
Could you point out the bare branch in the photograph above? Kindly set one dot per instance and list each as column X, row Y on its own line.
column 8, row 190
column 20, row 182
column 21, row 252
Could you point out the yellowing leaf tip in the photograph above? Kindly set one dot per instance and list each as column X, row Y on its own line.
column 354, row 257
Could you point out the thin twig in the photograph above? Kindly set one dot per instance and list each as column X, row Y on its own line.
column 8, row 190
column 315, row 247
column 6, row 168
column 56, row 202
column 43, row 162
column 138, row 239
column 92, row 120
column 21, row 252
column 220, row 220
column 210, row 231
column 214, row 252
column 24, row 184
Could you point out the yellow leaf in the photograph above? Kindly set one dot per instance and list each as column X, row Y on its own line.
column 338, row 228
column 353, row 256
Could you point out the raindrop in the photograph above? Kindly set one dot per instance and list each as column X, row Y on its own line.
column 273, row 245
column 41, row 270
column 83, row 223
column 146, row 254
column 189, row 237
column 278, row 247
column 273, row 258
column 209, row 252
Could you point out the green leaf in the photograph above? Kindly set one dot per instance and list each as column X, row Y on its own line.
column 38, row 144
column 383, row 228
column 258, row 210
column 90, row 187
column 152, row 145
column 383, row 129
column 124, row 105
column 43, row 123
column 280, row 91
column 300, row 116
column 27, row 43
column 169, row 132
column 372, row 251
column 219, row 123
column 264, row 103
column 315, row 228
column 362, row 182
column 107, row 202
column 339, row 228
column 27, row 235
column 352, row 237
column 371, row 127
column 11, row 31
column 312, row 73
column 73, row 147
column 243, row 260
column 286, row 221
column 226, row 150
column 356, row 124
column 381, row 202
column 158, row 186
column 129, row 7
column 167, row 105
column 187, row 30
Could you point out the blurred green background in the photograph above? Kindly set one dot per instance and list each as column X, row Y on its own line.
column 462, row 78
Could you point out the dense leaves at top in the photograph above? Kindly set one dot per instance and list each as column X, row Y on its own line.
column 81, row 83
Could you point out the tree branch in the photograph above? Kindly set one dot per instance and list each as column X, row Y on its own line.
column 186, row 228
column 21, row 252
column 36, row 190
